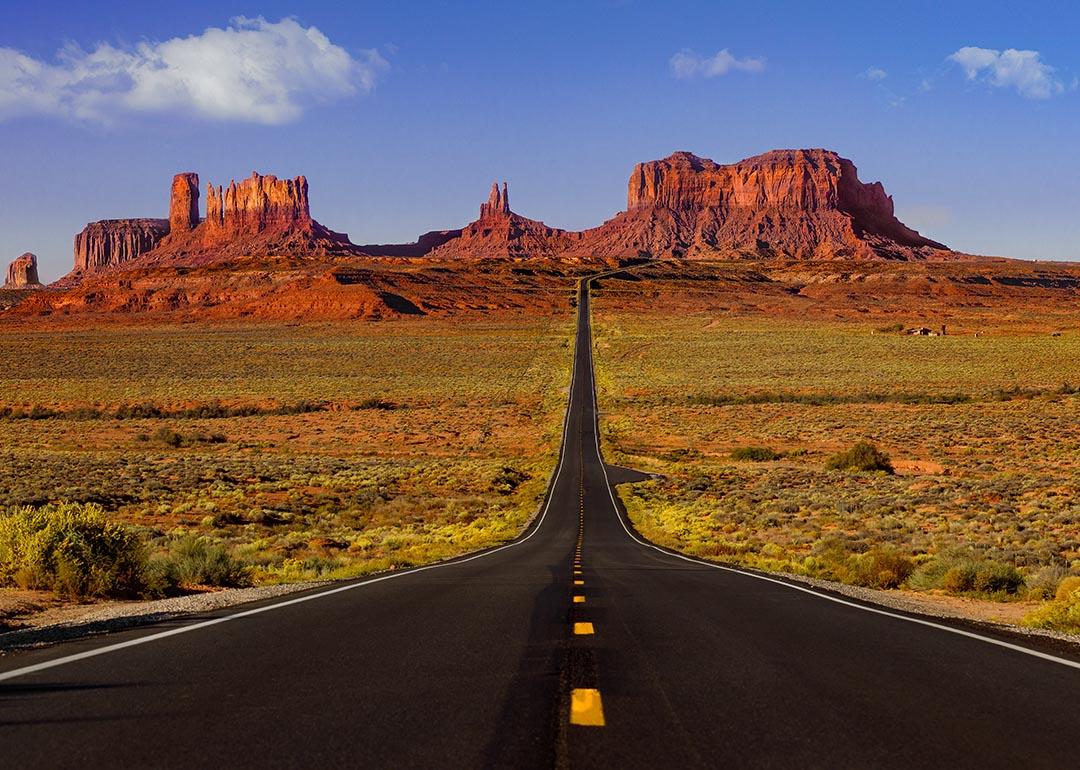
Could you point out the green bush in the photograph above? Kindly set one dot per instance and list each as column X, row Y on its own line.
column 508, row 479
column 757, row 454
column 864, row 456
column 959, row 573
column 883, row 567
column 195, row 561
column 72, row 549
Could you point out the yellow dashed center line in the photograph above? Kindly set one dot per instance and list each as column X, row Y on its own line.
column 578, row 599
column 584, row 629
column 586, row 708
column 579, row 582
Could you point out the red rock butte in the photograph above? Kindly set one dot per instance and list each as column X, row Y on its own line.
column 798, row 204
column 785, row 204
column 22, row 273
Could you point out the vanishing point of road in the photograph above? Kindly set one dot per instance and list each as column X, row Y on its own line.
column 576, row 645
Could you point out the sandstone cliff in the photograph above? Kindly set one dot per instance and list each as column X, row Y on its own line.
column 801, row 204
column 115, row 241
column 22, row 273
column 499, row 232
column 259, row 216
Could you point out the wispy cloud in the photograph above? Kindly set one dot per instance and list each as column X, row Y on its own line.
column 875, row 74
column 250, row 71
column 689, row 64
column 1023, row 71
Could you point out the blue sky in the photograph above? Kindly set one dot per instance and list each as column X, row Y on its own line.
column 402, row 114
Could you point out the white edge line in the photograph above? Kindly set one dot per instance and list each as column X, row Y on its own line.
column 792, row 586
column 23, row 671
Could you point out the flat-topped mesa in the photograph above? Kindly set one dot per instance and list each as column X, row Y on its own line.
column 114, row 241
column 184, row 203
column 22, row 273
column 803, row 204
column 499, row 232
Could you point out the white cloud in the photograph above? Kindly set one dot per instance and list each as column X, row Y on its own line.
column 251, row 71
column 1021, row 70
column 688, row 64
column 875, row 73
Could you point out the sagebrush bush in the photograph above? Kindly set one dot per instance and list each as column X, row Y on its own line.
column 72, row 549
column 959, row 573
column 864, row 456
column 883, row 567
column 195, row 561
column 757, row 454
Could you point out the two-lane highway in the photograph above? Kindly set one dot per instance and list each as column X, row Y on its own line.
column 576, row 645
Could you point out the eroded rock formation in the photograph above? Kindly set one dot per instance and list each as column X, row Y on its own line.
column 499, row 232
column 115, row 241
column 22, row 273
column 184, row 203
column 801, row 204
column 261, row 215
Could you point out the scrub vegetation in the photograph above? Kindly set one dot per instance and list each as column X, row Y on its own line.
column 148, row 461
column 947, row 464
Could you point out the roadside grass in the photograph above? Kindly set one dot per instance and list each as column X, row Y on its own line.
column 744, row 417
column 245, row 455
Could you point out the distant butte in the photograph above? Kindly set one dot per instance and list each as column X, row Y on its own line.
column 793, row 204
column 22, row 273
column 499, row 232
column 785, row 204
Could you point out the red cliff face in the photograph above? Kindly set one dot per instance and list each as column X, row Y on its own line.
column 261, row 215
column 115, row 241
column 184, row 203
column 499, row 232
column 22, row 273
column 803, row 204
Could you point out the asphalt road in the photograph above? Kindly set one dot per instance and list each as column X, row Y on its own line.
column 487, row 662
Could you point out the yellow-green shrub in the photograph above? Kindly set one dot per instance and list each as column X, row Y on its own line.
column 1062, row 614
column 70, row 548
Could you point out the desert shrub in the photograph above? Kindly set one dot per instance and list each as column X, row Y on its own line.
column 1062, row 614
column 757, row 454
column 1044, row 582
column 895, row 328
column 137, row 411
column 508, row 479
column 168, row 436
column 883, row 567
column 173, row 438
column 864, row 456
column 70, row 548
column 374, row 403
column 1067, row 587
column 196, row 561
column 959, row 573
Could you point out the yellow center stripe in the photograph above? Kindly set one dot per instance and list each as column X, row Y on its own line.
column 579, row 582
column 579, row 600
column 586, row 708
column 583, row 629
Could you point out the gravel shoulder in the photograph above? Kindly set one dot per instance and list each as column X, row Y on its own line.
column 62, row 622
